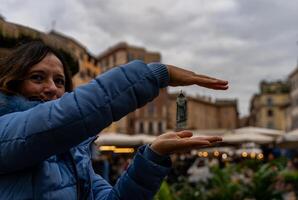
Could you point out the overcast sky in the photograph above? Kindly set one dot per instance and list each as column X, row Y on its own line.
column 242, row 41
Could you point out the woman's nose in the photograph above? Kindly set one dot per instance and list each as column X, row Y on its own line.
column 50, row 89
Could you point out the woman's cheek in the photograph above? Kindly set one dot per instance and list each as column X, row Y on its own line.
column 60, row 93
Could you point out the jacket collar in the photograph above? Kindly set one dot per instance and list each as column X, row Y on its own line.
column 13, row 103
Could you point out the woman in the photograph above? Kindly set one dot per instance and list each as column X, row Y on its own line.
column 46, row 130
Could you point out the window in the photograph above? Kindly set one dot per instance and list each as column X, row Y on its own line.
column 150, row 128
column 296, row 101
column 131, row 123
column 270, row 125
column 141, row 127
column 150, row 109
column 164, row 111
column 270, row 113
column 129, row 57
column 106, row 62
column 114, row 59
column 160, row 128
column 295, row 122
column 141, row 57
column 269, row 101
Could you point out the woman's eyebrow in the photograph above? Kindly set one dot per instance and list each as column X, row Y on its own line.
column 60, row 75
column 36, row 71
column 33, row 71
column 43, row 72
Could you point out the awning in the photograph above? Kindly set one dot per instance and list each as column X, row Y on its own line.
column 120, row 139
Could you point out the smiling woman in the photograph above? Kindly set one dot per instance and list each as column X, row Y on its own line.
column 46, row 128
column 45, row 80
column 24, row 63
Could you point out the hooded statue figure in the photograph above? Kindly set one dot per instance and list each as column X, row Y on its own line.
column 181, row 113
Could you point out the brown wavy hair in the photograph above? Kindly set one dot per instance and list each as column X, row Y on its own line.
column 18, row 62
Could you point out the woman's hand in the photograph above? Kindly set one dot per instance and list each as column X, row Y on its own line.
column 182, row 77
column 175, row 142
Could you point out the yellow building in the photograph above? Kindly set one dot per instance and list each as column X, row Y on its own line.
column 203, row 113
column 228, row 115
column 122, row 53
column 293, row 107
column 269, row 108
column 89, row 66
column 150, row 119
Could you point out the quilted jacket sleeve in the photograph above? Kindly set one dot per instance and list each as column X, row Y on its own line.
column 141, row 180
column 31, row 136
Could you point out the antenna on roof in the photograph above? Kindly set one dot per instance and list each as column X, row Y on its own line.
column 53, row 25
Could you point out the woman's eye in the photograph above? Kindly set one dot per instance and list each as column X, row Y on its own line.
column 36, row 77
column 60, row 82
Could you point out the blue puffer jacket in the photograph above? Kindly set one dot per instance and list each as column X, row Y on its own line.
column 45, row 147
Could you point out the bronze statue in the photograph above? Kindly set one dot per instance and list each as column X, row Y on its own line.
column 181, row 113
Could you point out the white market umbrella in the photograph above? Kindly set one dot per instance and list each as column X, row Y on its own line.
column 288, row 140
column 247, row 137
column 120, row 139
column 209, row 132
column 146, row 139
column 263, row 131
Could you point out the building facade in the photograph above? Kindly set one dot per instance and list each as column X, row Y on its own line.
column 155, row 117
column 122, row 53
column 89, row 66
column 268, row 109
column 150, row 119
column 203, row 113
column 76, row 55
column 293, row 108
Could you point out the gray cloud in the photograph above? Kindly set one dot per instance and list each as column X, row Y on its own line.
column 241, row 41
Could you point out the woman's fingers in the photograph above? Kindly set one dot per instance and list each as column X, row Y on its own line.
column 182, row 77
column 197, row 79
column 181, row 141
column 196, row 142
column 211, row 78
column 189, row 145
column 213, row 85
column 188, row 135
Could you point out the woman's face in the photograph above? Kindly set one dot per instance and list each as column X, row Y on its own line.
column 45, row 80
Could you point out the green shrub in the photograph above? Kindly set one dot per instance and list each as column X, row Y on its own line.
column 164, row 192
